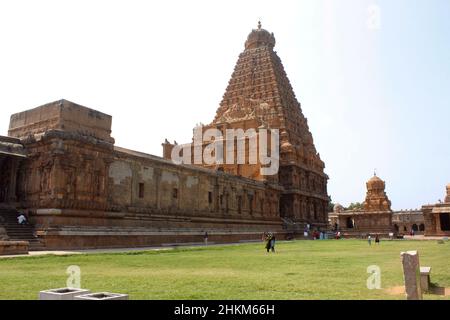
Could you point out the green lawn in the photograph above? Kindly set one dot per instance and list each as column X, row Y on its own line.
column 326, row 269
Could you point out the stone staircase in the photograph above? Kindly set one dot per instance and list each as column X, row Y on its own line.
column 16, row 232
column 292, row 227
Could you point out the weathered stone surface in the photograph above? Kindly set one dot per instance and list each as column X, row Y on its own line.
column 61, row 115
column 3, row 234
column 406, row 220
column 437, row 217
column 411, row 275
column 13, row 247
column 425, row 274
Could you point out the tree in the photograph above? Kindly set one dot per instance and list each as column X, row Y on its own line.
column 355, row 206
column 330, row 206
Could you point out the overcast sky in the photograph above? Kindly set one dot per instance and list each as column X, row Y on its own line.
column 372, row 76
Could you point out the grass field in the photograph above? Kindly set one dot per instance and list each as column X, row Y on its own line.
column 326, row 269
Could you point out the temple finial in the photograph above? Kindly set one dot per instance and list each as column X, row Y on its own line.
column 375, row 172
column 259, row 24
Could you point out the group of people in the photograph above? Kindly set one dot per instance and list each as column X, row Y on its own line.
column 319, row 235
column 316, row 234
column 269, row 238
column 377, row 239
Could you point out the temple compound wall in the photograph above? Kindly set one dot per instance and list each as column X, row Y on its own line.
column 82, row 191
column 437, row 217
column 405, row 221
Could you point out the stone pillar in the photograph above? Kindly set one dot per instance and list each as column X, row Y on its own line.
column 411, row 274
column 437, row 219
column 158, row 174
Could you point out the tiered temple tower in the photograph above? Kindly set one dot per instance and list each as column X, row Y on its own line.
column 374, row 218
column 259, row 95
column 376, row 198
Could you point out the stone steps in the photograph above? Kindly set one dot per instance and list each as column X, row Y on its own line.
column 16, row 232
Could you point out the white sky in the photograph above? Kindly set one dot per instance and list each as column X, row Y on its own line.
column 160, row 67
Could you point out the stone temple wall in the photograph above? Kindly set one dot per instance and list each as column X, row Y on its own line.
column 83, row 192
column 147, row 183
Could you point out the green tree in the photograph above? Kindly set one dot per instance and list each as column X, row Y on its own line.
column 355, row 206
column 330, row 206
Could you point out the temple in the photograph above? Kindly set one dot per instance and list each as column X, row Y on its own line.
column 60, row 165
column 437, row 216
column 260, row 96
column 374, row 218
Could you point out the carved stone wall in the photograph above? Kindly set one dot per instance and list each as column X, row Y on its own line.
column 437, row 217
column 153, row 185
column 65, row 170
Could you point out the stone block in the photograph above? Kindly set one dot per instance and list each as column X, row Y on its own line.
column 425, row 278
column 13, row 247
column 102, row 296
column 61, row 115
column 411, row 274
column 62, row 294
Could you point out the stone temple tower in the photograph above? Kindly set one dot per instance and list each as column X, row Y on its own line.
column 376, row 198
column 259, row 95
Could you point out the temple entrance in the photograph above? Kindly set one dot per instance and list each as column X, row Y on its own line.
column 4, row 179
column 350, row 223
column 8, row 178
column 445, row 221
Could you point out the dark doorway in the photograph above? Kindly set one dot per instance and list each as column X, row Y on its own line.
column 445, row 221
column 396, row 228
column 350, row 223
column 415, row 227
column 4, row 178
column 422, row 227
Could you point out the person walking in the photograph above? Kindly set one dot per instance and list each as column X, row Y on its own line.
column 269, row 242
column 377, row 239
column 272, row 243
column 205, row 237
column 369, row 240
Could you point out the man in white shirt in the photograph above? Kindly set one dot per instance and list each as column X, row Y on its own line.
column 21, row 219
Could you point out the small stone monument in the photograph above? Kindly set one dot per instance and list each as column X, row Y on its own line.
column 425, row 281
column 411, row 274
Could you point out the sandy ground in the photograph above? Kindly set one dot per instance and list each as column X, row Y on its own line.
column 433, row 290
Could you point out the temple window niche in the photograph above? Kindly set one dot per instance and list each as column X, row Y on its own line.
column 210, row 197
column 141, row 190
column 239, row 204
